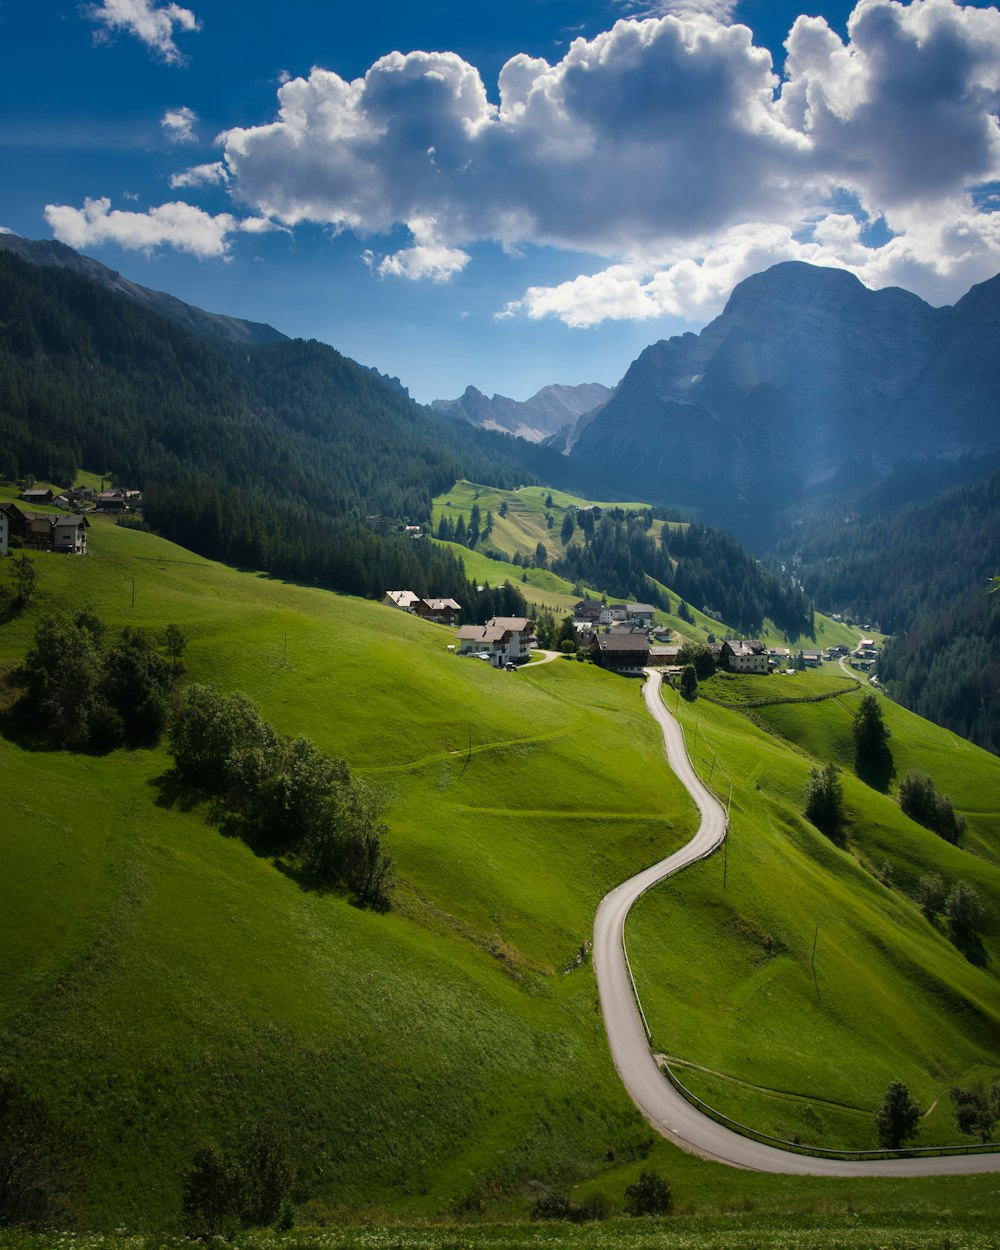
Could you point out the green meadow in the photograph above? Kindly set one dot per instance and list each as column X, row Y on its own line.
column 792, row 979
column 161, row 986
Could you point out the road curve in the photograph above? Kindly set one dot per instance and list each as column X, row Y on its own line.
column 652, row 1093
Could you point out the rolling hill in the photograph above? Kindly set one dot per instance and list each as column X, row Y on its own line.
column 162, row 987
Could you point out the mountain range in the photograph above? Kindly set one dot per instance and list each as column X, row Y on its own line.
column 808, row 382
column 551, row 410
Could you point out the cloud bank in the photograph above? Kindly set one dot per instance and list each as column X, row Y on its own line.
column 666, row 146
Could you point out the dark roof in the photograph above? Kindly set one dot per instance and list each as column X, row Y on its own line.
column 623, row 642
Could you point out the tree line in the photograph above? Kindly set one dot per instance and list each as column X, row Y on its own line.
column 920, row 573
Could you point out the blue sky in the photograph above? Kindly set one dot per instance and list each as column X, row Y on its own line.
column 502, row 194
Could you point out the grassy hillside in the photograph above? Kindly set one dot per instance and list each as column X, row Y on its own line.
column 801, row 1048
column 160, row 986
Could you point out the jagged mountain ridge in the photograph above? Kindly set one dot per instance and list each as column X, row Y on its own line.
column 546, row 413
column 807, row 381
column 197, row 320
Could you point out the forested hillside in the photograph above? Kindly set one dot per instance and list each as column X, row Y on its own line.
column 635, row 553
column 919, row 573
column 268, row 456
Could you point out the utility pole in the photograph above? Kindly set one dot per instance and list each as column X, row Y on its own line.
column 725, row 858
column 812, row 962
column 712, row 769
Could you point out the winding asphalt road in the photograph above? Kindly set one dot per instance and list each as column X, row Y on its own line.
column 652, row 1093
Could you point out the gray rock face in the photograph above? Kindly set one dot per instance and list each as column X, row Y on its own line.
column 535, row 419
column 806, row 381
column 204, row 324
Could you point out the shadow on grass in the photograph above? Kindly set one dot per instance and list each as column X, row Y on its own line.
column 174, row 793
column 973, row 949
column 876, row 769
column 18, row 727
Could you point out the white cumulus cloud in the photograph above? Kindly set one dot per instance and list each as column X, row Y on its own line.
column 153, row 24
column 427, row 258
column 667, row 147
column 178, row 225
column 178, row 124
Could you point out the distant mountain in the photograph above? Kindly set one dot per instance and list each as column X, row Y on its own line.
column 549, row 411
column 204, row 324
column 807, row 382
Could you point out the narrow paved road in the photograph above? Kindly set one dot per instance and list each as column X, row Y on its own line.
column 655, row 1097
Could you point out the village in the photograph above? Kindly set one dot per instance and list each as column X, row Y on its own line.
column 623, row 638
column 64, row 531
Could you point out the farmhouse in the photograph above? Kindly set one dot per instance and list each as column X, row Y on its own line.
column 623, row 652
column 4, row 533
column 444, row 610
column 42, row 531
column 36, row 494
column 588, row 610
column 739, row 656
column 403, row 599
column 640, row 613
column 502, row 640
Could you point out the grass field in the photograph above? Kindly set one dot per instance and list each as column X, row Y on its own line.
column 803, row 1048
column 160, row 985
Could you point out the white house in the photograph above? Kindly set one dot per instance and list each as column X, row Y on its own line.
column 739, row 656
column 404, row 599
column 503, row 639
column 69, row 533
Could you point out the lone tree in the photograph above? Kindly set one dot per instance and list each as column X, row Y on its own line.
column 964, row 911
column 649, row 1194
column 897, row 1118
column 872, row 757
column 825, row 801
column 689, row 682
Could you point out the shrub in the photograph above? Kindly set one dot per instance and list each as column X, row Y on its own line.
column 649, row 1194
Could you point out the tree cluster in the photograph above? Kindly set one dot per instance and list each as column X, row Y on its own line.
column 284, row 796
column 976, row 1108
column 825, row 801
column 920, row 800
column 249, row 1186
column 87, row 687
column 961, row 908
